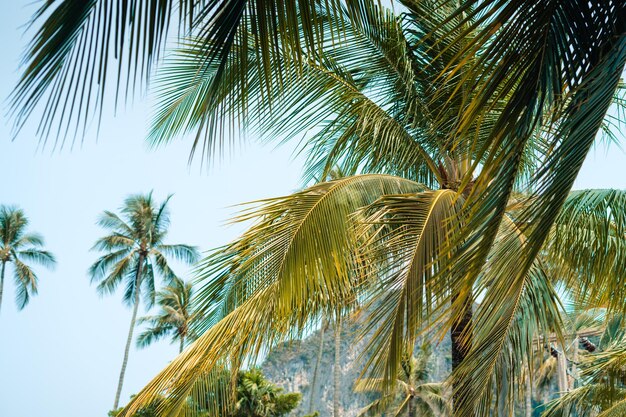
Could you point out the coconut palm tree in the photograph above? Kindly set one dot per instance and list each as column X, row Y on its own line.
column 417, row 396
column 175, row 318
column 448, row 207
column 135, row 252
column 451, row 108
column 18, row 247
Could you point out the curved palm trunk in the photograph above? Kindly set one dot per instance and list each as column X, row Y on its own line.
column 337, row 371
column 317, row 367
column 2, row 281
column 460, row 349
column 130, row 334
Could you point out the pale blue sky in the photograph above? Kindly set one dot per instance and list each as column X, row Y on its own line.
column 60, row 356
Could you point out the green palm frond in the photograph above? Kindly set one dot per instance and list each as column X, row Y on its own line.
column 184, row 253
column 29, row 239
column 346, row 93
column 291, row 266
column 38, row 256
column 110, row 269
column 408, row 232
column 82, row 50
column 587, row 244
column 511, row 313
column 25, row 283
column 72, row 54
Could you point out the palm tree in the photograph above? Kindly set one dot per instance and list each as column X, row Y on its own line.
column 447, row 206
column 417, row 395
column 135, row 250
column 19, row 248
column 175, row 318
column 481, row 112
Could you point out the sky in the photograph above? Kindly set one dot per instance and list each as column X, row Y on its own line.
column 60, row 356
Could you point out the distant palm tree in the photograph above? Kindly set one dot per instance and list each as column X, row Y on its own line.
column 134, row 250
column 17, row 247
column 417, row 395
column 175, row 317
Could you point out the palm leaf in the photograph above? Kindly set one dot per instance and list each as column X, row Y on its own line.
column 291, row 266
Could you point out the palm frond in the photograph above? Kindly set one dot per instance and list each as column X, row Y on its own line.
column 587, row 245
column 98, row 270
column 291, row 266
column 38, row 256
column 29, row 239
column 408, row 232
column 185, row 253
column 25, row 283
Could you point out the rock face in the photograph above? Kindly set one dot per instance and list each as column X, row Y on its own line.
column 291, row 366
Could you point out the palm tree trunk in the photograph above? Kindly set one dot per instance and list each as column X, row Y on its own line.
column 561, row 366
column 182, row 344
column 528, row 395
column 412, row 412
column 320, row 351
column 460, row 349
column 2, row 281
column 337, row 371
column 130, row 334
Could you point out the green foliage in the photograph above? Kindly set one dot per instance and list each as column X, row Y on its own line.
column 602, row 379
column 462, row 127
column 257, row 397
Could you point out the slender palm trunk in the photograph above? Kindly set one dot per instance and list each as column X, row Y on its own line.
column 130, row 334
column 320, row 351
column 4, row 263
column 528, row 395
column 460, row 349
column 182, row 344
column 412, row 412
column 337, row 370
column 561, row 366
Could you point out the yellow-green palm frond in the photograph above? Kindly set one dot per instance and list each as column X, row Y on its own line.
column 295, row 263
column 406, row 236
column 512, row 311
column 587, row 246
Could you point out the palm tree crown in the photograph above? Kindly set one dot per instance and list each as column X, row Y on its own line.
column 449, row 206
column 18, row 247
column 417, row 396
column 175, row 317
column 135, row 253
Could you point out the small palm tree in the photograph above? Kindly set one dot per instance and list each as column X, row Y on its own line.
column 417, row 395
column 134, row 250
column 174, row 319
column 18, row 247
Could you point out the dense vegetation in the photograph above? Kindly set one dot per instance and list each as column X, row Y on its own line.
column 459, row 128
